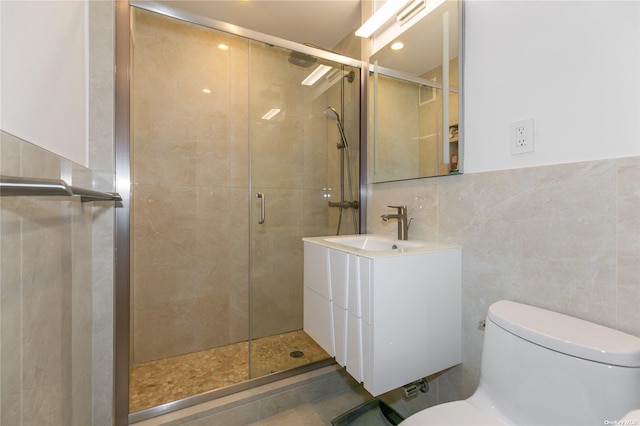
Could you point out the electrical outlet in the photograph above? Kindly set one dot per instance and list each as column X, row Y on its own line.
column 521, row 136
column 522, row 140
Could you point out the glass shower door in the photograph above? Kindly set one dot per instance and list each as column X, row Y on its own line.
column 217, row 288
column 190, row 229
column 292, row 154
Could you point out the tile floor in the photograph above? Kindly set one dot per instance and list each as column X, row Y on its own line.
column 319, row 412
column 158, row 382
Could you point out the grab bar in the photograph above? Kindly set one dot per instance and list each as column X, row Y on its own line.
column 17, row 186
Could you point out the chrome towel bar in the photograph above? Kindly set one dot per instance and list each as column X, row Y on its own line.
column 17, row 186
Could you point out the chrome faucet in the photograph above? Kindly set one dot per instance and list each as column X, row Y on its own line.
column 403, row 223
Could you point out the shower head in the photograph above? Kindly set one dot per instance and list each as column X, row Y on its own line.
column 331, row 113
column 301, row 59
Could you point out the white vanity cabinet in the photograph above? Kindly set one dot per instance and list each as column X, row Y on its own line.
column 390, row 316
column 318, row 317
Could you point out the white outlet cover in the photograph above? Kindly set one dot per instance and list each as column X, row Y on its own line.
column 529, row 139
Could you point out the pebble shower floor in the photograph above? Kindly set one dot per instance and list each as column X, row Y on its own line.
column 158, row 382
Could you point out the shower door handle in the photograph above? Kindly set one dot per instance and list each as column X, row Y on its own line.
column 262, row 201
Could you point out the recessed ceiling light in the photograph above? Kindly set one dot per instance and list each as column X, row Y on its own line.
column 207, row 91
column 223, row 46
column 397, row 45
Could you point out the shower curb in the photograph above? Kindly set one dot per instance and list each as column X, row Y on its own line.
column 261, row 402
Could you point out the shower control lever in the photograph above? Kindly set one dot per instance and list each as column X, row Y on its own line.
column 260, row 195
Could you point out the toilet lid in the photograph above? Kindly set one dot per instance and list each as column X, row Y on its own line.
column 456, row 413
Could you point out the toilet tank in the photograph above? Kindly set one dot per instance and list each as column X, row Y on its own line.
column 541, row 367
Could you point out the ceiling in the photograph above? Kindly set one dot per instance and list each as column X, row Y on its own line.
column 323, row 23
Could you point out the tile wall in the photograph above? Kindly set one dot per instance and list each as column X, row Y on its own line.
column 56, row 268
column 55, row 337
column 562, row 237
column 189, row 156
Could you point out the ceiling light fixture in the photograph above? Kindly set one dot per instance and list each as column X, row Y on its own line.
column 316, row 75
column 411, row 10
column 380, row 17
column 270, row 114
column 397, row 45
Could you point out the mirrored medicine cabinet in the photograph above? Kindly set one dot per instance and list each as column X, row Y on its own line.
column 414, row 103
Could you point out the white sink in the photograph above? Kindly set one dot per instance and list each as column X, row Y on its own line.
column 373, row 242
column 375, row 245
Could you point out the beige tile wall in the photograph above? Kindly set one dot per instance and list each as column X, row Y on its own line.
column 563, row 237
column 56, row 269
column 190, row 202
column 101, row 134
column 48, row 322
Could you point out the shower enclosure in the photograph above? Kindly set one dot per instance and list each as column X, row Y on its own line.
column 233, row 161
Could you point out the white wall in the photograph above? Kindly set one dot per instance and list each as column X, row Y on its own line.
column 1, row 65
column 44, row 74
column 574, row 66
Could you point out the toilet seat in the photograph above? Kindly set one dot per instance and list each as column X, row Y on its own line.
column 458, row 413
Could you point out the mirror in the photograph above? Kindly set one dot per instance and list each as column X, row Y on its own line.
column 414, row 103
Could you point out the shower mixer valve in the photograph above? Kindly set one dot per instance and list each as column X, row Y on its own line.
column 345, row 204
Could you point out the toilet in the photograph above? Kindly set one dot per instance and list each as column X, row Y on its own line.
column 544, row 368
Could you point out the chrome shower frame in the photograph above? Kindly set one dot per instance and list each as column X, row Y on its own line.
column 122, row 296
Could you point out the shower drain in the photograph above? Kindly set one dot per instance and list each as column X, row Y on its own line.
column 296, row 354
